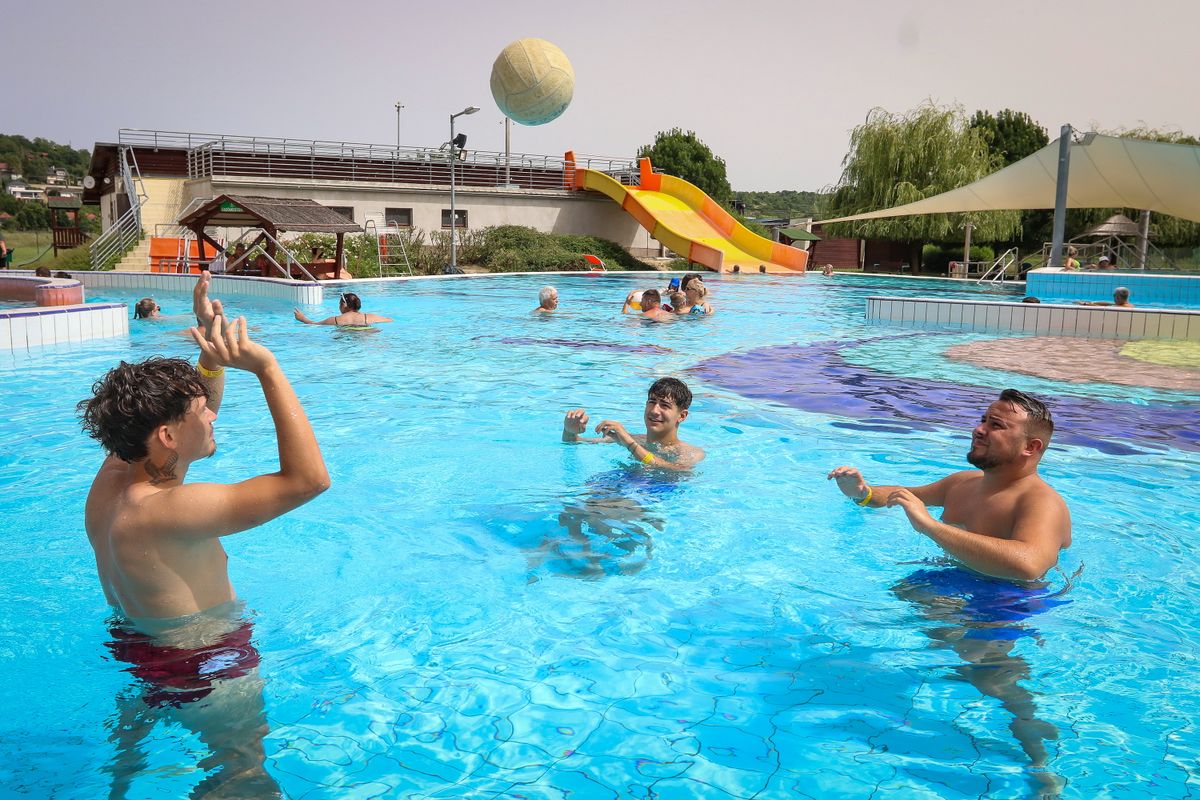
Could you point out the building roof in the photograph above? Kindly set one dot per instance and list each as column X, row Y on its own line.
column 1116, row 225
column 278, row 213
column 799, row 235
column 64, row 202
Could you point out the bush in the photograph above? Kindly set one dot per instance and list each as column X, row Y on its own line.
column 937, row 258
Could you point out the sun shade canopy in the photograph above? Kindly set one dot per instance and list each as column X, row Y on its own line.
column 1106, row 172
column 273, row 213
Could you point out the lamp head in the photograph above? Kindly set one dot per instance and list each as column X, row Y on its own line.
column 459, row 141
column 470, row 109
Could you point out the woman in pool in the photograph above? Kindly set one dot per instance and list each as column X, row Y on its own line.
column 695, row 304
column 350, row 314
column 146, row 308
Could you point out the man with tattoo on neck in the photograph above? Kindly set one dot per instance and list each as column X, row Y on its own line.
column 156, row 538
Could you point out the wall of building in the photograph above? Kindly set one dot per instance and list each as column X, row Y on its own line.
column 548, row 211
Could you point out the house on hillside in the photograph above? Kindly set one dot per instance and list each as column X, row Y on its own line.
column 19, row 189
column 5, row 171
column 57, row 176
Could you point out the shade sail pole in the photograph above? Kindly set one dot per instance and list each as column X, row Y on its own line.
column 1143, row 239
column 1060, row 196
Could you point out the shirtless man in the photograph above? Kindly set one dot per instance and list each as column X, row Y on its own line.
column 157, row 539
column 1002, row 520
column 547, row 300
column 667, row 405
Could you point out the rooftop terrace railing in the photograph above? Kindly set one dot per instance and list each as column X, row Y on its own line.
column 220, row 155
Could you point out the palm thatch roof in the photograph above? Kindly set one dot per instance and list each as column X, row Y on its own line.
column 273, row 213
column 1116, row 225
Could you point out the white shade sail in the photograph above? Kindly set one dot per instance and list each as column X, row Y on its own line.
column 1106, row 172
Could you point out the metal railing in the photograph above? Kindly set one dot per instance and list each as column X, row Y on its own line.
column 210, row 155
column 127, row 230
column 999, row 268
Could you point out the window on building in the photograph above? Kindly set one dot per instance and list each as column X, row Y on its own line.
column 399, row 217
column 345, row 211
column 461, row 213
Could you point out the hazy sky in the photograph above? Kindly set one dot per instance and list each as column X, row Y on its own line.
column 773, row 87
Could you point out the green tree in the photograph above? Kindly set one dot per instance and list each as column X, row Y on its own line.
column 1010, row 135
column 683, row 155
column 901, row 158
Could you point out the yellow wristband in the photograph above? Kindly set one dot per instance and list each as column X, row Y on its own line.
column 866, row 500
column 646, row 459
column 209, row 373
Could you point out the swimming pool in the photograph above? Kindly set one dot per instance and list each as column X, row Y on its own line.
column 475, row 609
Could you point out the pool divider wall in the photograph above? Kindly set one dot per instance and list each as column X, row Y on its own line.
column 1175, row 290
column 296, row 292
column 25, row 328
column 1045, row 319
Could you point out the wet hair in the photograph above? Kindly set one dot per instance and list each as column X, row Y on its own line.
column 1030, row 299
column 132, row 400
column 673, row 388
column 546, row 293
column 42, row 272
column 691, row 276
column 1040, row 424
column 351, row 300
column 144, row 308
column 62, row 275
column 652, row 297
column 1120, row 293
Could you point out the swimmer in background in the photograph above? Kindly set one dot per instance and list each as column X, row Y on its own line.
column 827, row 270
column 1001, row 520
column 146, row 308
column 678, row 302
column 350, row 314
column 660, row 447
column 547, row 300
column 652, row 307
column 1120, row 299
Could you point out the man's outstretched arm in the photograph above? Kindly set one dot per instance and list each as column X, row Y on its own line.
column 852, row 484
column 1033, row 549
column 205, row 510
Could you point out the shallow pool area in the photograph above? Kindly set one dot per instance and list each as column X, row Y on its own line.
column 475, row 609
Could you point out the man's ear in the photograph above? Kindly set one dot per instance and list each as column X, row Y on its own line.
column 1035, row 446
column 683, row 415
column 165, row 436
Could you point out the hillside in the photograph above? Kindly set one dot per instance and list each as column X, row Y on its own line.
column 31, row 158
column 787, row 203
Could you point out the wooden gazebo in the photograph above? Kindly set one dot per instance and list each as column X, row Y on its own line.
column 273, row 216
column 64, row 223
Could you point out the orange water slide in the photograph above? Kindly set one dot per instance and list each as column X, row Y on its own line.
column 688, row 221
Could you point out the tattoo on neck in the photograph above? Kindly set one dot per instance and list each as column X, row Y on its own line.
column 164, row 473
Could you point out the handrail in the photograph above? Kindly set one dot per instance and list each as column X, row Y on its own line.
column 999, row 267
column 290, row 258
column 128, row 228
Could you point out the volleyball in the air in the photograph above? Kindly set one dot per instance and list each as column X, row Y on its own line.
column 532, row 81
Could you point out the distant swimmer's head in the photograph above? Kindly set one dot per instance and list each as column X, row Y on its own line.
column 1030, row 299
column 350, row 302
column 548, row 298
column 158, row 402
column 696, row 289
column 1015, row 428
column 651, row 299
column 146, row 308
column 667, row 405
column 1121, row 296
column 678, row 299
column 687, row 279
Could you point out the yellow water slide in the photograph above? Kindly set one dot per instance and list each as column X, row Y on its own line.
column 688, row 221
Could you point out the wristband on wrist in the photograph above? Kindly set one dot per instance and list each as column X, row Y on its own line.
column 209, row 373
column 866, row 500
column 648, row 458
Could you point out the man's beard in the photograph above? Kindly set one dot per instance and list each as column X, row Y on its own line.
column 983, row 462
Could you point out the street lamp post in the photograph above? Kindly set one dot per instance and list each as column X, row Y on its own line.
column 399, row 106
column 455, row 149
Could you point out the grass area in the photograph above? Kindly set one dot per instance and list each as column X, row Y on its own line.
column 28, row 244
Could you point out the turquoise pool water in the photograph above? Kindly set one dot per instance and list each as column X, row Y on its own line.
column 475, row 609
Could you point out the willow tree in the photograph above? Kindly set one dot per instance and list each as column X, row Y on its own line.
column 901, row 158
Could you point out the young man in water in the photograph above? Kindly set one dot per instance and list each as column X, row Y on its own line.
column 660, row 447
column 157, row 539
column 1002, row 520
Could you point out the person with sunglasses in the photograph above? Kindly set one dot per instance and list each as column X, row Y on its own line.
column 146, row 308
